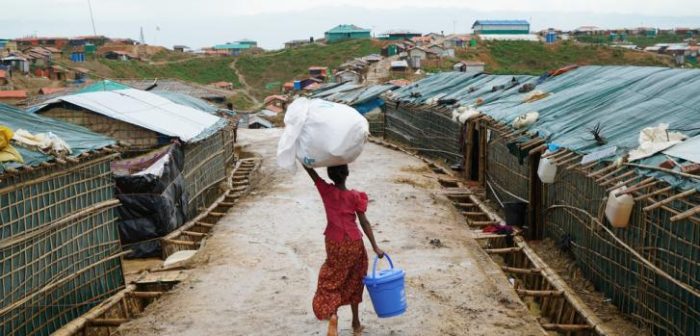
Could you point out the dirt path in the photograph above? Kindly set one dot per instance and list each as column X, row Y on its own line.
column 379, row 72
column 245, row 88
column 259, row 268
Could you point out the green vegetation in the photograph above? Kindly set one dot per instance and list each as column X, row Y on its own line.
column 170, row 56
column 640, row 41
column 534, row 58
column 198, row 70
column 241, row 101
column 289, row 64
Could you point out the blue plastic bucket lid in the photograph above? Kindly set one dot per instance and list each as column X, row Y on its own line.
column 384, row 276
column 552, row 147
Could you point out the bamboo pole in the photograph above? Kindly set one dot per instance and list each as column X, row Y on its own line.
column 506, row 250
column 566, row 327
column 617, row 178
column 657, row 192
column 669, row 199
column 74, row 326
column 670, row 171
column 602, row 170
column 521, row 270
column 686, row 214
column 539, row 293
column 539, row 149
column 556, row 152
column 650, row 182
column 107, row 322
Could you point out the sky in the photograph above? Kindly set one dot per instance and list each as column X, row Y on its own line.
column 203, row 23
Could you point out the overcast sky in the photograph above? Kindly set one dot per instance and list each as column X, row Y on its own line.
column 272, row 22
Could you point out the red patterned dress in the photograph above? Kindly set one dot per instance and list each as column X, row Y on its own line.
column 340, row 278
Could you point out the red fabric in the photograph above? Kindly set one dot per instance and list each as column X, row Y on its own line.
column 340, row 278
column 341, row 208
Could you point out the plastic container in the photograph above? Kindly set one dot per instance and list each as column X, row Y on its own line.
column 619, row 208
column 547, row 170
column 387, row 290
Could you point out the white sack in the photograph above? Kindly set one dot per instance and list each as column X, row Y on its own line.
column 321, row 134
column 653, row 140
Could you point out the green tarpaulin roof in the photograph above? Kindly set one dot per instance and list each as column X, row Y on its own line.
column 623, row 99
column 80, row 139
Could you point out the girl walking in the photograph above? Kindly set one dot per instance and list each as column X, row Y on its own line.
column 340, row 278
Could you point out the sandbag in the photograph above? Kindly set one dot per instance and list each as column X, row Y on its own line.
column 320, row 133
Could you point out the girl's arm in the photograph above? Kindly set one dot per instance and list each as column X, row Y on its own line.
column 312, row 173
column 367, row 228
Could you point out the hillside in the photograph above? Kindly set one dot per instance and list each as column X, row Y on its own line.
column 534, row 58
column 267, row 72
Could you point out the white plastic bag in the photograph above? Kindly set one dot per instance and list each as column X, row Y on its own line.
column 320, row 133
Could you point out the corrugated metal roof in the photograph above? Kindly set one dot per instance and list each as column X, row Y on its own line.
column 146, row 110
column 347, row 28
column 500, row 22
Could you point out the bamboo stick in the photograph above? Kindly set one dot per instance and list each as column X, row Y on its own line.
column 670, row 199
column 566, row 327
column 521, row 270
column 539, row 149
column 556, row 152
column 602, row 170
column 612, row 173
column 617, row 178
column 650, row 182
column 539, row 293
column 146, row 295
column 506, row 250
column 567, row 161
column 532, row 143
column 686, row 214
column 670, row 171
column 657, row 192
column 181, row 242
column 79, row 323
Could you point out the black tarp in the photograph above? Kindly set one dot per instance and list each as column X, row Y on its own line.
column 152, row 206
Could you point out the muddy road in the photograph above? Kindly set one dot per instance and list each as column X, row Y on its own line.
column 257, row 274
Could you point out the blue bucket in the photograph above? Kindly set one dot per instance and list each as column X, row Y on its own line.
column 387, row 290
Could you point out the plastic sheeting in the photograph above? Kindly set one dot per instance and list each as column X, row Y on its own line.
column 146, row 110
column 151, row 205
column 80, row 139
column 688, row 150
column 623, row 100
column 354, row 94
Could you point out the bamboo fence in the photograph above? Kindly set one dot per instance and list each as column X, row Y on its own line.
column 60, row 253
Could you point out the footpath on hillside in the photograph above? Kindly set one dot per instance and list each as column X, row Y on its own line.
column 257, row 273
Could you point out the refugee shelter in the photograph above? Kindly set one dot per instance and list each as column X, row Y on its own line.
column 591, row 120
column 366, row 99
column 59, row 243
column 136, row 119
column 346, row 32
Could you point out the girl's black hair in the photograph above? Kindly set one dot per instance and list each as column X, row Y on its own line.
column 338, row 174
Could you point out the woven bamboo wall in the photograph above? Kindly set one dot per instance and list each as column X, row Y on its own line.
column 426, row 129
column 205, row 168
column 59, row 250
column 637, row 289
column 137, row 137
column 504, row 171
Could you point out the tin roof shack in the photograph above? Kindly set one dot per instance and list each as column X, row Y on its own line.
column 392, row 49
column 136, row 117
column 469, row 66
column 276, row 103
column 345, row 32
column 348, row 76
column 501, row 27
column 13, row 96
column 399, row 66
column 255, row 122
column 180, row 48
column 457, row 41
column 16, row 62
column 595, row 111
column 236, row 48
column 419, row 54
column 441, row 51
column 399, row 35
column 59, row 243
column 422, row 40
column 56, row 42
column 208, row 93
column 120, row 55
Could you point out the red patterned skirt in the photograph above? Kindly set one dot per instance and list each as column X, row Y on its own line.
column 340, row 278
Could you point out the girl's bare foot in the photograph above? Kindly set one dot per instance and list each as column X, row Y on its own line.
column 333, row 325
column 357, row 329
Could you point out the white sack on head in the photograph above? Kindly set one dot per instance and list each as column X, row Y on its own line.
column 321, row 134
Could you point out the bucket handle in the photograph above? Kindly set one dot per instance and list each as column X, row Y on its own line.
column 374, row 268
